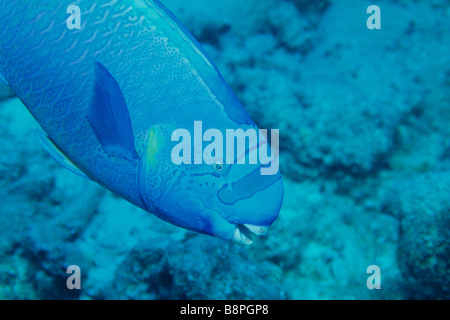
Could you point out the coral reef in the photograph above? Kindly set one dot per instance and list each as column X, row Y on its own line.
column 180, row 271
column 365, row 154
column 422, row 204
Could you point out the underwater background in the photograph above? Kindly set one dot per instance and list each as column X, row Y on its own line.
column 364, row 120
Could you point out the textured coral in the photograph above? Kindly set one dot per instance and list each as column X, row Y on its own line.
column 180, row 271
column 422, row 204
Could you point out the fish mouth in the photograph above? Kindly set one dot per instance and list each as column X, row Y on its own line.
column 243, row 233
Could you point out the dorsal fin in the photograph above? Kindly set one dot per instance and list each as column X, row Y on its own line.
column 109, row 117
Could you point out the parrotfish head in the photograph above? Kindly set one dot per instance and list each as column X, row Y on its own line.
column 228, row 201
column 248, row 200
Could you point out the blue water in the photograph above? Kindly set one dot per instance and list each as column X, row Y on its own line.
column 364, row 120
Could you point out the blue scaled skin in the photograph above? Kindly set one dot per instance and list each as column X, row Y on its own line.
column 109, row 96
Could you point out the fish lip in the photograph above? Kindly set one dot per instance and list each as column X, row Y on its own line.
column 257, row 230
column 243, row 233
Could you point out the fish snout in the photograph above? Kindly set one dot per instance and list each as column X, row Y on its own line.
column 254, row 202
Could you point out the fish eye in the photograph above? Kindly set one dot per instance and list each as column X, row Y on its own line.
column 217, row 166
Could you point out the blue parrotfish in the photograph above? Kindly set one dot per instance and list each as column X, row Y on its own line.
column 109, row 94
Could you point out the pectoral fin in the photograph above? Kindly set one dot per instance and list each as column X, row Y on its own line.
column 109, row 117
column 57, row 154
column 3, row 80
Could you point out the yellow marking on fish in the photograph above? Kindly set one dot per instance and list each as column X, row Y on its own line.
column 154, row 142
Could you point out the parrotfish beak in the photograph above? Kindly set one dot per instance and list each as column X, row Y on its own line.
column 255, row 202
